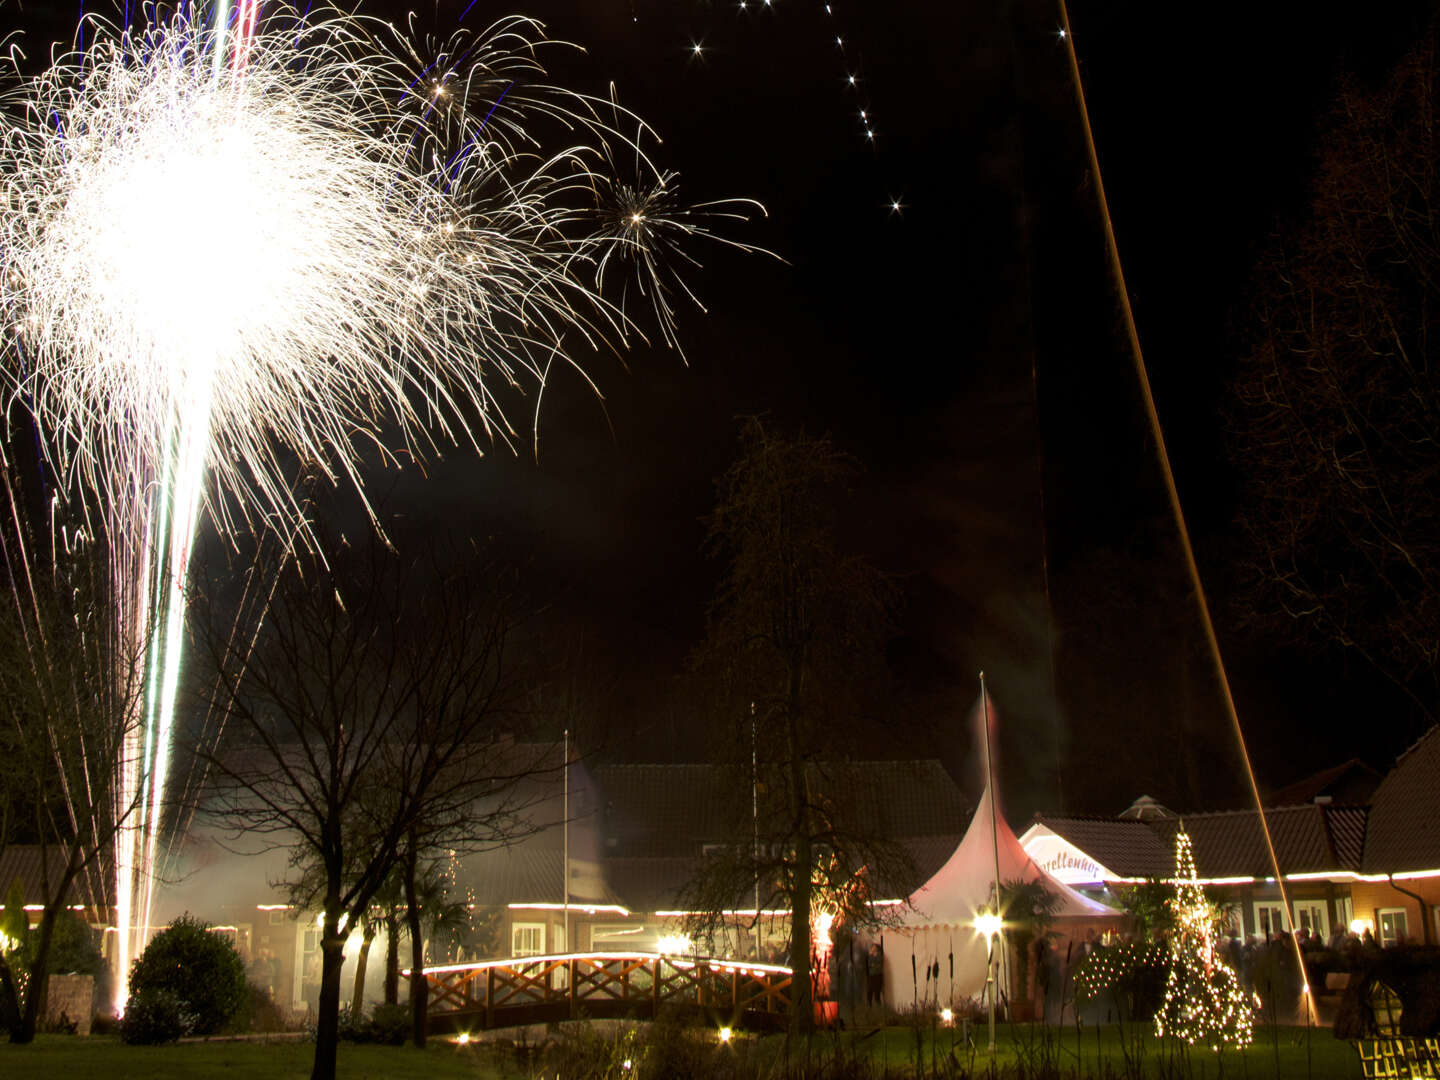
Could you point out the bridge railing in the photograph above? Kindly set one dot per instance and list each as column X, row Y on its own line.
column 572, row 984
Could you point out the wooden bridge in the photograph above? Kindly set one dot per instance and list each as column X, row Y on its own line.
column 573, row 986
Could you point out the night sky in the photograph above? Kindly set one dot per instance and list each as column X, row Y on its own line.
column 967, row 350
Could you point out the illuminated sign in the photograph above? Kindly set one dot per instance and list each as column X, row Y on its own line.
column 1061, row 859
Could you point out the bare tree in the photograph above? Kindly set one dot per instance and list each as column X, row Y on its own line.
column 375, row 703
column 69, row 696
column 795, row 640
column 1336, row 421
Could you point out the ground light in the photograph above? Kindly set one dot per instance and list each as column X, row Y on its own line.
column 463, row 1039
column 947, row 1015
column 725, row 1034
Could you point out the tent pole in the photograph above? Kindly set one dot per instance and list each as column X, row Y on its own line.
column 995, row 847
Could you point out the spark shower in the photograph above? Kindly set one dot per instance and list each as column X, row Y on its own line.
column 241, row 245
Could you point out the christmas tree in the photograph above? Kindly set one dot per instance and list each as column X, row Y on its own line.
column 1203, row 1001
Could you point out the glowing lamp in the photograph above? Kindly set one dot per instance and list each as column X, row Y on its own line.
column 463, row 1039
column 988, row 923
column 1359, row 926
column 947, row 1015
column 725, row 1034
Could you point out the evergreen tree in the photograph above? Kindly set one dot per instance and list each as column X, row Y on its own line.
column 1203, row 1003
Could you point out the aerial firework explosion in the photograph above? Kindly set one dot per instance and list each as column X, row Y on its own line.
column 241, row 247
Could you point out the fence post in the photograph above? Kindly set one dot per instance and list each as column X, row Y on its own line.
column 490, row 997
column 571, row 980
column 655, row 989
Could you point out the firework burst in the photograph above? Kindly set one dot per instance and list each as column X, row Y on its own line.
column 237, row 245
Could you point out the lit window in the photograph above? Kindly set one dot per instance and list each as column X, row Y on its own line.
column 527, row 939
column 1392, row 926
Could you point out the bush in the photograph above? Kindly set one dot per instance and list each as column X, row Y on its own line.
column 388, row 1025
column 155, row 1015
column 258, row 1013
column 200, row 968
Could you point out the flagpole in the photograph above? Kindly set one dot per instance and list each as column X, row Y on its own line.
column 566, row 843
column 755, row 821
column 995, row 848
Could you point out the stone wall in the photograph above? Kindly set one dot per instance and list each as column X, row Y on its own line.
column 73, row 995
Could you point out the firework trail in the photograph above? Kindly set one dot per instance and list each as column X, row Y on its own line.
column 233, row 243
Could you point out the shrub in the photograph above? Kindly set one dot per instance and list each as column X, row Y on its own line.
column 258, row 1013
column 388, row 1025
column 155, row 1015
column 200, row 968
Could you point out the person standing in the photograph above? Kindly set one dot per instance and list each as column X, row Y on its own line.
column 875, row 975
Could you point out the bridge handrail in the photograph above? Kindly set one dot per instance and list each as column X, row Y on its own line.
column 629, row 978
column 678, row 959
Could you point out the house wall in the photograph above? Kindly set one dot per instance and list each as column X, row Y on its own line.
column 1331, row 896
column 1372, row 898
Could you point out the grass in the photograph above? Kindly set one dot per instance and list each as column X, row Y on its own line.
column 52, row 1056
column 1023, row 1052
column 1285, row 1053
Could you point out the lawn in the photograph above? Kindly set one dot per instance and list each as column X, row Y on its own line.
column 52, row 1056
column 1021, row 1052
column 1029, row 1050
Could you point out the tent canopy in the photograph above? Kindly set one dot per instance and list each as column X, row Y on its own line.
column 963, row 886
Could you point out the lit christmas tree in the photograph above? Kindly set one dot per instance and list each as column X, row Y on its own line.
column 1203, row 1000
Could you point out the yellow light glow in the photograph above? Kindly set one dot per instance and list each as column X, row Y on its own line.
column 988, row 923
column 1359, row 926
column 725, row 1034
column 463, row 1039
column 674, row 943
column 947, row 1016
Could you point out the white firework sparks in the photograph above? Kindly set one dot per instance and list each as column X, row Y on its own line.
column 227, row 249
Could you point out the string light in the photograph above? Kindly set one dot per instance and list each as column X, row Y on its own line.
column 1107, row 967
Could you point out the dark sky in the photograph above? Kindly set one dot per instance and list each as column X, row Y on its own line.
column 967, row 351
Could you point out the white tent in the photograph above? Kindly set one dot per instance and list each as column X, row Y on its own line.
column 939, row 933
column 936, row 955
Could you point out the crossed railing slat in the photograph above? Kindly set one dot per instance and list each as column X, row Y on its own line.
column 571, row 982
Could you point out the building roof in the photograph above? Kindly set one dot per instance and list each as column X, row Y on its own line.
column 1308, row 839
column 1130, row 848
column 650, row 883
column 1351, row 782
column 672, row 811
column 1402, row 835
column 32, row 866
column 525, row 874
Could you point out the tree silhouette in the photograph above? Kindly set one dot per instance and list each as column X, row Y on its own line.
column 1336, row 406
column 794, row 649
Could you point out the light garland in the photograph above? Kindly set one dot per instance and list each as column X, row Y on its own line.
column 1203, row 1003
column 1104, row 968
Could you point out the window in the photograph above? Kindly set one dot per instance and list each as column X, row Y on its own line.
column 1392, row 926
column 1310, row 915
column 1345, row 912
column 1269, row 919
column 527, row 939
